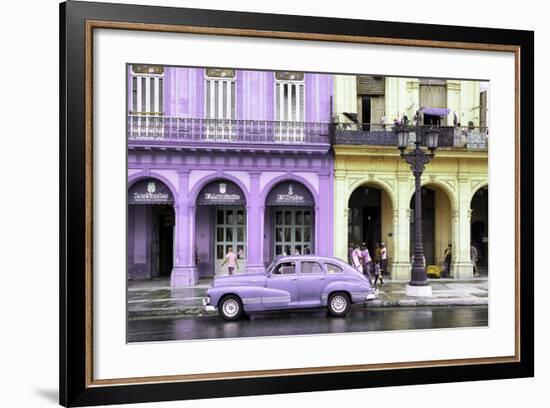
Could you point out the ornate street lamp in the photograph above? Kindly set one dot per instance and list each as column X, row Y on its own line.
column 417, row 159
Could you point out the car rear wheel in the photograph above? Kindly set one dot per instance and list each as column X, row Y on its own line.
column 339, row 304
column 231, row 307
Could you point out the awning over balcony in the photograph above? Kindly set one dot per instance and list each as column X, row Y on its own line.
column 435, row 111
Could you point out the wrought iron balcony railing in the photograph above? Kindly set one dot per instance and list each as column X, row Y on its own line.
column 151, row 127
column 465, row 137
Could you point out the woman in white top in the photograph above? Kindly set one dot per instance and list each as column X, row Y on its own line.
column 357, row 258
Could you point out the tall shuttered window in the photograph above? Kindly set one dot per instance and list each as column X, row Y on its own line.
column 147, row 90
column 147, row 101
column 220, row 103
column 289, row 106
column 433, row 94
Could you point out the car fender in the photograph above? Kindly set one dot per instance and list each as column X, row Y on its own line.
column 356, row 290
column 243, row 292
column 254, row 298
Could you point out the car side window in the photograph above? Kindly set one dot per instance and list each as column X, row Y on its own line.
column 309, row 267
column 331, row 268
column 285, row 268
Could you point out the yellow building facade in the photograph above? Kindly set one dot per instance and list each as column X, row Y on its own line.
column 374, row 187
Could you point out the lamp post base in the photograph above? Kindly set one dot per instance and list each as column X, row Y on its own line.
column 418, row 291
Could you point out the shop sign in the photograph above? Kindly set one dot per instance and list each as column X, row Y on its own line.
column 150, row 191
column 290, row 193
column 221, row 192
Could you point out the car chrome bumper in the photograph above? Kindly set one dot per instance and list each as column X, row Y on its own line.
column 208, row 307
column 372, row 296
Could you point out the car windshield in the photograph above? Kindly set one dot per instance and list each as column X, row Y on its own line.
column 271, row 266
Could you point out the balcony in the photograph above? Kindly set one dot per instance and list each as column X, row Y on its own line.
column 150, row 130
column 456, row 138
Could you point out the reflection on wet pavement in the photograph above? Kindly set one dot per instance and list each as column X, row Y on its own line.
column 306, row 322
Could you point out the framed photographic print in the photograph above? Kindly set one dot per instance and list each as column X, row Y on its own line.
column 249, row 199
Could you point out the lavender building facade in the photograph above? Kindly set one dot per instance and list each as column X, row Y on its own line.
column 221, row 158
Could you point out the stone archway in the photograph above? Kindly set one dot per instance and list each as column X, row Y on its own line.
column 479, row 230
column 220, row 226
column 437, row 225
column 289, row 220
column 151, row 226
column 371, row 219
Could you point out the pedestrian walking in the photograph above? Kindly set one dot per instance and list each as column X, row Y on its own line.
column 473, row 257
column 231, row 261
column 377, row 274
column 367, row 261
column 357, row 259
column 383, row 258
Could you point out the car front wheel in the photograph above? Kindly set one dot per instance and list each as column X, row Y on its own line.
column 231, row 307
column 339, row 304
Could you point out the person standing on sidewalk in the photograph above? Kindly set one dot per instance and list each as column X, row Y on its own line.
column 383, row 258
column 357, row 259
column 367, row 261
column 377, row 274
column 448, row 256
column 351, row 247
column 473, row 257
column 377, row 253
column 231, row 261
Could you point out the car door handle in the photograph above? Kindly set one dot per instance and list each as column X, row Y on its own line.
column 293, row 279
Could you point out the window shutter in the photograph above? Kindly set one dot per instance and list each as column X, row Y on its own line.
column 370, row 85
column 208, row 99
column 233, row 101
column 161, row 96
column 302, row 104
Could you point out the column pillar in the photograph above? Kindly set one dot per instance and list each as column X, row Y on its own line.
column 323, row 213
column 255, row 227
column 402, row 262
column 185, row 271
column 341, row 214
column 461, row 267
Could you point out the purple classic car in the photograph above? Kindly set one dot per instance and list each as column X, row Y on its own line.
column 291, row 282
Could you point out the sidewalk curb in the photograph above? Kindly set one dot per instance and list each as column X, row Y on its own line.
column 199, row 311
column 474, row 301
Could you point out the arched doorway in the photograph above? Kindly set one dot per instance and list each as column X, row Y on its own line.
column 479, row 237
column 289, row 220
column 436, row 224
column 370, row 219
column 220, row 226
column 151, row 223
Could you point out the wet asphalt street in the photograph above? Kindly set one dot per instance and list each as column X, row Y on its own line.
column 306, row 322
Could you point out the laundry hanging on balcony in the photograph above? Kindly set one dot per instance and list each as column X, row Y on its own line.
column 435, row 111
